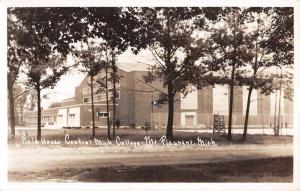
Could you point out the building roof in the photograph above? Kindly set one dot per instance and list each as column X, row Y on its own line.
column 68, row 99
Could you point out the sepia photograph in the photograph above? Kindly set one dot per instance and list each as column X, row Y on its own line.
column 150, row 94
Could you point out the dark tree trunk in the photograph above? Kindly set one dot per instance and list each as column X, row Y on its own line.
column 247, row 112
column 93, row 109
column 39, row 125
column 232, row 83
column 231, row 103
column 11, row 110
column 114, row 97
column 22, row 114
column 279, row 109
column 171, row 96
column 255, row 68
column 107, row 102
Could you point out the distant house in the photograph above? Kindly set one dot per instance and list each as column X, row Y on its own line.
column 135, row 108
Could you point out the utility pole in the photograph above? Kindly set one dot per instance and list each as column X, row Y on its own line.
column 152, row 103
column 279, row 107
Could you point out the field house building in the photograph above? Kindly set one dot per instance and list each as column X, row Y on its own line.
column 134, row 106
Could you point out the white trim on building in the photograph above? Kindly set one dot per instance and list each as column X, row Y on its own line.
column 187, row 118
column 273, row 97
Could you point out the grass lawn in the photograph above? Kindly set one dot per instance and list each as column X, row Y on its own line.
column 261, row 158
column 260, row 170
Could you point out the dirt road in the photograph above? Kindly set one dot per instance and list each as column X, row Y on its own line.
column 43, row 158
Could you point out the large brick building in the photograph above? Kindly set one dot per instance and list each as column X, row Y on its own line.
column 135, row 108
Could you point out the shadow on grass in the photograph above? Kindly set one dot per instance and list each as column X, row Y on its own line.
column 259, row 170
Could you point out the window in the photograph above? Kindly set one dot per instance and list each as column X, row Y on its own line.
column 118, row 95
column 110, row 93
column 102, row 114
column 101, row 97
column 220, row 100
column 71, row 115
column 87, row 90
column 85, row 100
column 253, row 101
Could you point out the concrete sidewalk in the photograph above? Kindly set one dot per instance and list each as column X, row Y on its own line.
column 266, row 131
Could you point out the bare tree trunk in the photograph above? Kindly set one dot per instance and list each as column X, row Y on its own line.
column 231, row 104
column 39, row 125
column 247, row 112
column 114, row 96
column 107, row 102
column 93, row 109
column 11, row 110
column 22, row 114
column 279, row 106
column 169, row 134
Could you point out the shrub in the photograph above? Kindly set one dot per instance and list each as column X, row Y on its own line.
column 147, row 125
column 132, row 126
column 118, row 123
